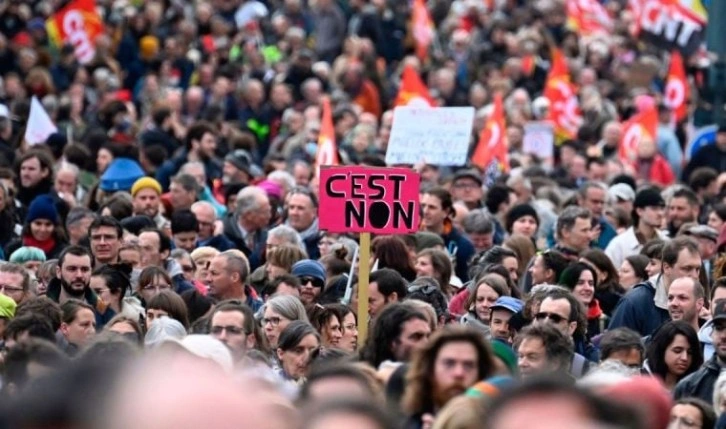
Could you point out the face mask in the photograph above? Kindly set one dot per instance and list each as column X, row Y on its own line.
column 311, row 148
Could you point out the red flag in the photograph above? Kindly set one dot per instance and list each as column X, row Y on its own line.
column 327, row 153
column 561, row 92
column 78, row 24
column 588, row 17
column 493, row 139
column 422, row 28
column 676, row 90
column 643, row 125
column 412, row 91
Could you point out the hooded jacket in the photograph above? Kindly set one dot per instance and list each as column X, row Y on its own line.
column 461, row 247
column 700, row 383
column 174, row 269
column 641, row 308
column 103, row 312
column 704, row 336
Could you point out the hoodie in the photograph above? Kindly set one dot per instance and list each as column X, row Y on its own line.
column 704, row 336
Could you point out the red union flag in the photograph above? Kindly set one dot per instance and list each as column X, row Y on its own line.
column 559, row 90
column 492, row 141
column 676, row 90
column 327, row 153
column 422, row 28
column 77, row 24
column 589, row 17
column 413, row 92
column 643, row 125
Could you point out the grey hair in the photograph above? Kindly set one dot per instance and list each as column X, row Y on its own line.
column 608, row 373
column 206, row 204
column 517, row 177
column 67, row 166
column 288, row 235
column 191, row 164
column 286, row 178
column 591, row 184
column 478, row 222
column 288, row 306
column 188, row 182
column 247, row 199
column 568, row 217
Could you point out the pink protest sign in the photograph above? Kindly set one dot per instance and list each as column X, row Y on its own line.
column 369, row 199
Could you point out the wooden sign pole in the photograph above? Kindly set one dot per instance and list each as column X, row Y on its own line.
column 364, row 257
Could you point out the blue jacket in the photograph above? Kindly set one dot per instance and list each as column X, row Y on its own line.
column 607, row 233
column 170, row 167
column 455, row 242
column 637, row 311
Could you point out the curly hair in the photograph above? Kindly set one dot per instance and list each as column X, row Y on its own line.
column 385, row 330
column 419, row 379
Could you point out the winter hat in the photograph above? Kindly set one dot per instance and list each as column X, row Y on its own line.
column 42, row 207
column 163, row 329
column 505, row 353
column 520, row 211
column 653, row 400
column 491, row 387
column 309, row 268
column 148, row 47
column 121, row 175
column 145, row 183
column 7, row 307
column 271, row 188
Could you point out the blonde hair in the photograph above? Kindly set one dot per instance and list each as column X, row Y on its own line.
column 462, row 412
column 204, row 252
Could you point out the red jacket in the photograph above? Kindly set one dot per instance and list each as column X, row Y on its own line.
column 660, row 172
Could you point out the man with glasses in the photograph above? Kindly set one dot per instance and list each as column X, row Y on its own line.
column 207, row 221
column 561, row 309
column 467, row 188
column 105, row 235
column 14, row 282
column 312, row 278
column 73, row 278
column 232, row 323
column 247, row 229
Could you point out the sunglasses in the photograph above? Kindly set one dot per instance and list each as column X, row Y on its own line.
column 315, row 282
column 554, row 317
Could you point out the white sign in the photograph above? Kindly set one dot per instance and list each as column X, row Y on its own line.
column 39, row 125
column 438, row 136
column 539, row 139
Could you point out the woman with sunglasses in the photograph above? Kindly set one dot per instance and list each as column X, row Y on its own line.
column 279, row 312
column 298, row 345
column 673, row 353
column 581, row 279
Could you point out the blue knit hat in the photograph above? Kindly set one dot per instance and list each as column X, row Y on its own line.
column 121, row 175
column 42, row 207
column 309, row 268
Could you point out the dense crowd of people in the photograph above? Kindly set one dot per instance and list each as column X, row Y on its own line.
column 164, row 265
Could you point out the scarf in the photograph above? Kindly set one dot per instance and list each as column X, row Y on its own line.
column 594, row 311
column 311, row 231
column 45, row 245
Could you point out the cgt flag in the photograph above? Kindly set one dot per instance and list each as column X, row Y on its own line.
column 413, row 92
column 327, row 153
column 561, row 92
column 641, row 126
column 422, row 28
column 588, row 17
column 492, row 143
column 676, row 90
column 77, row 24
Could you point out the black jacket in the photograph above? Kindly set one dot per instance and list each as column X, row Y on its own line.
column 700, row 383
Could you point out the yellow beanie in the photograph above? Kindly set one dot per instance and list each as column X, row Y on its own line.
column 143, row 183
column 148, row 47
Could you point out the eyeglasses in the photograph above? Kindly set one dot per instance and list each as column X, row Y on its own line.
column 232, row 330
column 554, row 317
column 159, row 288
column 274, row 321
column 315, row 282
column 6, row 288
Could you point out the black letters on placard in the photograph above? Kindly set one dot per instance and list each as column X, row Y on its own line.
column 378, row 214
column 360, row 209
column 373, row 184
column 329, row 186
